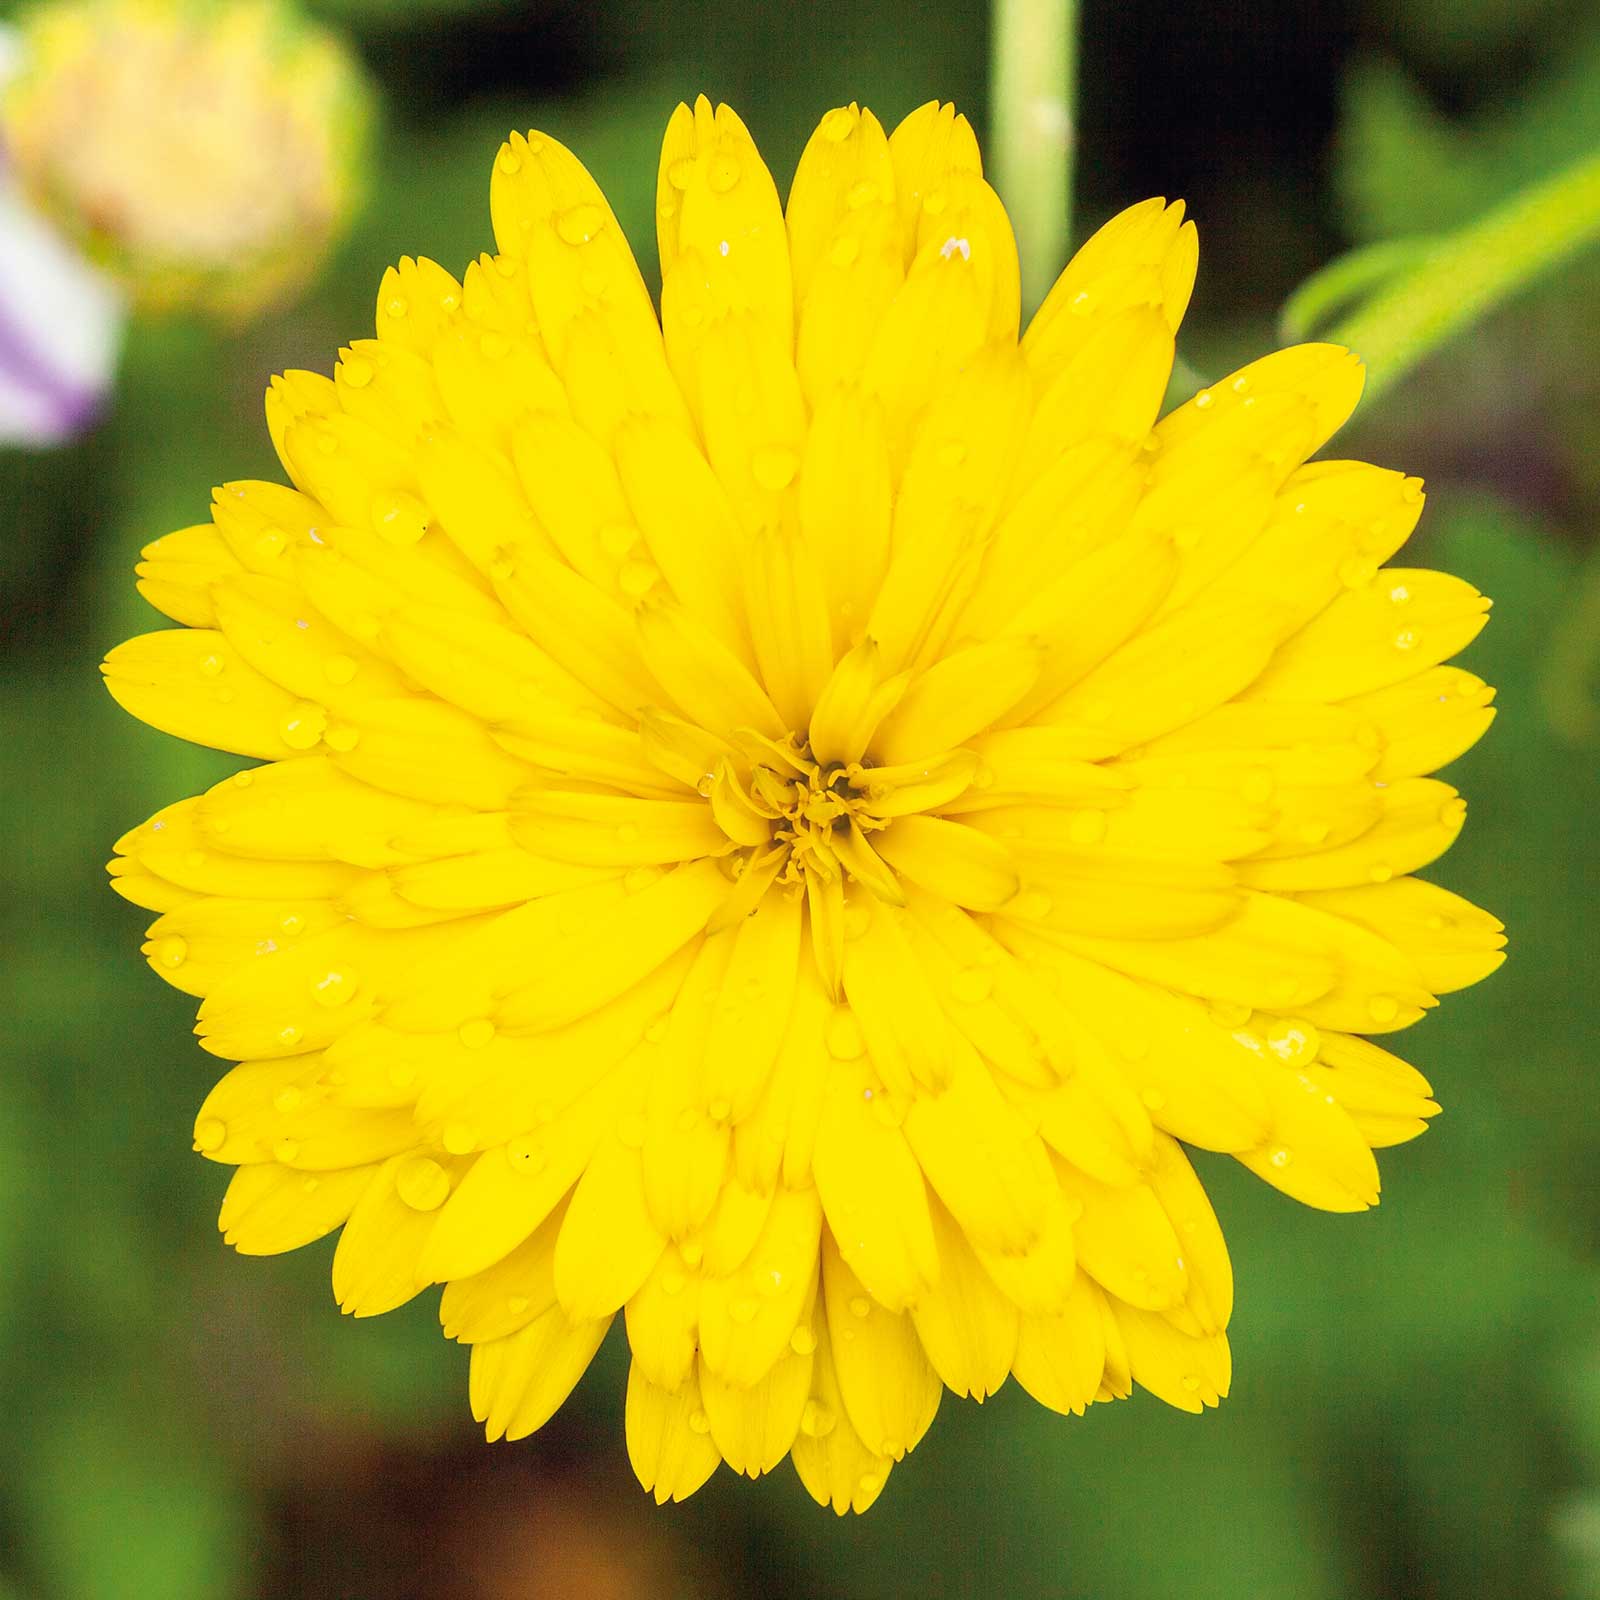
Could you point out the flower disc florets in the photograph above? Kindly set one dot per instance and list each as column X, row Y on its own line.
column 783, row 820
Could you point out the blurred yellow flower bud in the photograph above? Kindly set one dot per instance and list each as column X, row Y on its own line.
column 203, row 152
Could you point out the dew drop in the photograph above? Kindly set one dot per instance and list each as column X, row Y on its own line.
column 860, row 1307
column 1407, row 639
column 421, row 1183
column 302, row 725
column 212, row 665
column 1031, row 906
column 1357, row 572
column 210, row 1133
column 972, row 985
column 460, row 1137
column 934, row 202
column 476, row 1033
column 396, row 308
column 869, row 1483
column 1190, row 1382
column 333, row 988
column 637, row 578
column 723, row 173
column 802, row 1341
column 843, row 1035
column 844, row 250
column 863, row 194
column 356, row 371
column 699, row 1422
column 681, row 173
column 270, row 542
column 516, row 1304
column 1380, row 872
column 339, row 669
column 743, row 1309
column 1383, row 1008
column 172, row 951
column 1202, row 400
column 692, row 1251
column 628, row 833
column 1153, row 1099
column 1087, row 827
column 285, row 1150
column 673, row 1281
column 580, row 224
column 640, row 878
column 955, row 246
column 523, row 1154
column 630, row 1131
column 618, row 538
column 839, row 124
column 1280, row 1158
column 292, row 923
column 857, row 919
column 774, row 467
column 288, row 1099
column 289, row 1036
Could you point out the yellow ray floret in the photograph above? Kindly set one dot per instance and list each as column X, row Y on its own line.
column 782, row 821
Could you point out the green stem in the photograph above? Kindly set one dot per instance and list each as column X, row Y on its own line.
column 1034, row 53
column 1473, row 270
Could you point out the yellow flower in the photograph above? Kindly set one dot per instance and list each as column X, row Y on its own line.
column 205, row 154
column 785, row 821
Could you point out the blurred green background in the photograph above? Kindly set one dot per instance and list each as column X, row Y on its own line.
column 1416, row 1411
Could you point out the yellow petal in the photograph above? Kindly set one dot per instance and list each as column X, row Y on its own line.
column 889, row 1391
column 669, row 1437
column 518, row 1383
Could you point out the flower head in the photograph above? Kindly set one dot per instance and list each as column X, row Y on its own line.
column 203, row 152
column 784, row 822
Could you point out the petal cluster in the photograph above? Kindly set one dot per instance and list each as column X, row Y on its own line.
column 782, row 820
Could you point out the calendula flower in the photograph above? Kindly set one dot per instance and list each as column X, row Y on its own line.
column 783, row 822
column 202, row 153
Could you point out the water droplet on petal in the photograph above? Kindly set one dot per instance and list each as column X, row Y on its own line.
column 681, row 173
column 396, row 308
column 460, row 1138
column 421, row 1183
column 285, row 1150
column 580, row 224
column 860, row 1306
column 339, row 669
column 1407, row 639
column 802, row 1341
column 1280, row 1158
column 637, row 578
column 972, row 985
column 774, row 466
column 862, row 194
column 1202, row 400
column 839, row 124
column 516, row 1304
column 508, row 161
column 843, row 1034
column 172, row 951
column 1383, row 1008
column 743, row 1309
column 844, row 250
column 524, row 1154
column 699, row 1422
column 302, row 725
column 356, row 371
column 333, row 988
column 476, row 1033
column 723, row 173
column 210, row 1133
column 288, row 1099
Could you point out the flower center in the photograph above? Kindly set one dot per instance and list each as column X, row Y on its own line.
column 816, row 814
column 799, row 816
